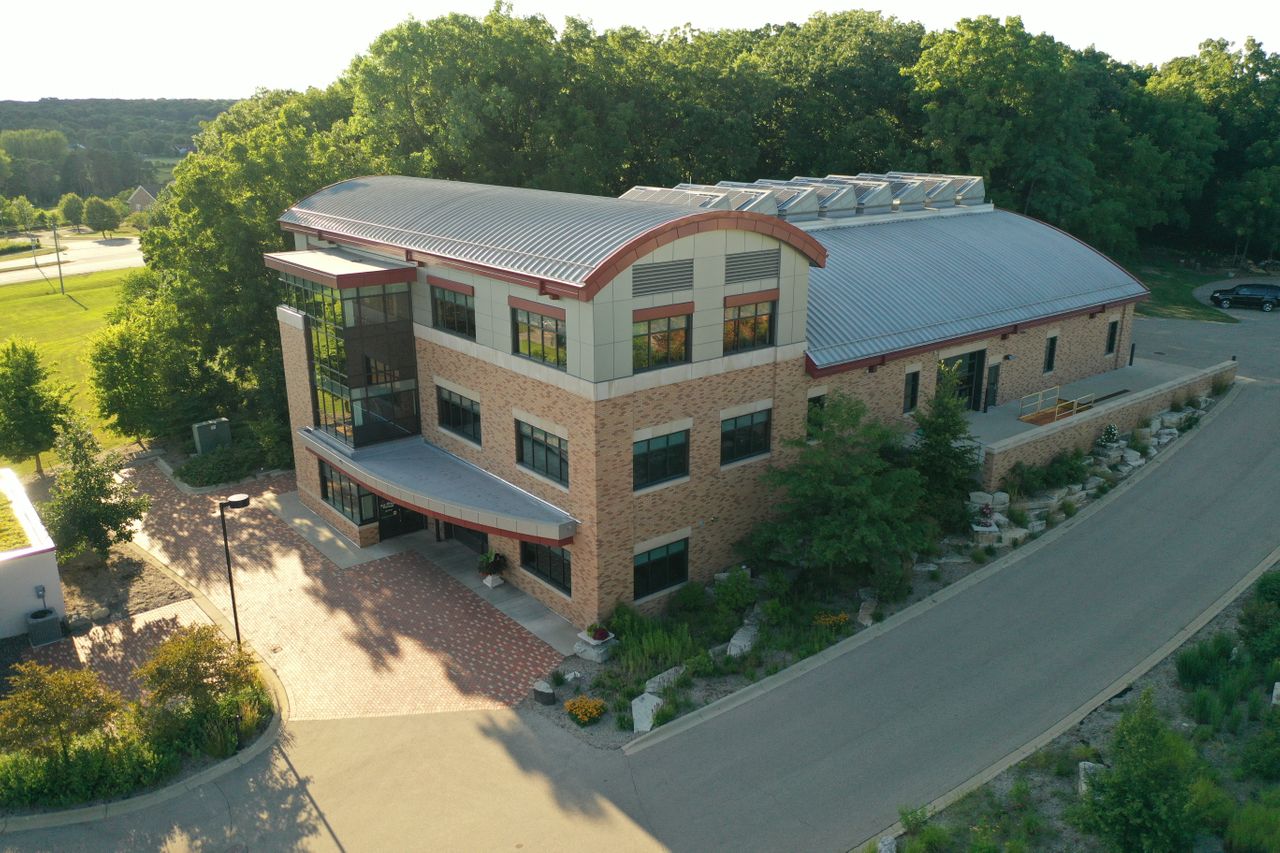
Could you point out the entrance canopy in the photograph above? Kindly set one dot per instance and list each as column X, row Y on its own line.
column 426, row 478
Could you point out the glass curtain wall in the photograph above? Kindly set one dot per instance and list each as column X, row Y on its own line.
column 364, row 366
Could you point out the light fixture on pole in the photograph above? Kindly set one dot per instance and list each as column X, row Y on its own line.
column 233, row 502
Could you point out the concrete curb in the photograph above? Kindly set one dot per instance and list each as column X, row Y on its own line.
column 773, row 682
column 266, row 740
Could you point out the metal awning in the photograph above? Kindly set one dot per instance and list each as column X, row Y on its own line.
column 336, row 268
column 426, row 478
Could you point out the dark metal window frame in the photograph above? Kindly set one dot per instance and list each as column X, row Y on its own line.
column 659, row 459
column 1050, row 353
column 542, row 452
column 548, row 563
column 1113, row 336
column 656, row 340
column 741, row 326
column 660, row 569
column 816, row 404
column 911, row 392
column 445, row 315
column 347, row 496
column 458, row 414
column 556, row 354
column 745, row 436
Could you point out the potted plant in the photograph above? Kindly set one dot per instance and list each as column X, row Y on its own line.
column 491, row 564
column 596, row 634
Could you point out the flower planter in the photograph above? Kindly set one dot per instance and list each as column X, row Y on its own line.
column 493, row 581
column 587, row 638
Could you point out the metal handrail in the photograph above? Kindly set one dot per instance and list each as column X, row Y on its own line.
column 1038, row 401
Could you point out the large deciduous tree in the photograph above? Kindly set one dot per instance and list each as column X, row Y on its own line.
column 32, row 405
column 88, row 509
column 101, row 215
column 71, row 209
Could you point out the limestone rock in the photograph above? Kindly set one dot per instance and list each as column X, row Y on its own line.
column 1155, row 424
column 100, row 615
column 1083, row 771
column 1093, row 483
column 643, row 709
column 1171, row 420
column 742, row 641
column 663, row 680
column 1142, row 434
column 1075, row 489
column 78, row 623
column 866, row 593
column 926, row 568
column 867, row 614
column 985, row 534
column 1037, row 525
column 1056, row 495
column 1124, row 470
column 544, row 693
column 1204, row 402
column 1000, row 500
column 1275, row 694
column 1014, row 536
column 1151, row 451
column 887, row 844
column 755, row 615
column 981, row 498
column 1133, row 458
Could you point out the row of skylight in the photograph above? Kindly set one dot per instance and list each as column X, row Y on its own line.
column 834, row 196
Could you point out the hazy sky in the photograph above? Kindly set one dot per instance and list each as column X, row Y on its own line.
column 228, row 48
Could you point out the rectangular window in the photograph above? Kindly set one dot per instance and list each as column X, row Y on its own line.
column 453, row 312
column 744, row 437
column 656, row 460
column 911, row 392
column 458, row 414
column 748, row 327
column 658, row 343
column 1113, row 336
column 347, row 496
column 1050, row 353
column 549, row 563
column 541, row 451
column 661, row 568
column 816, row 405
column 539, row 337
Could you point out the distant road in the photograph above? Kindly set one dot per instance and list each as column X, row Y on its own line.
column 78, row 256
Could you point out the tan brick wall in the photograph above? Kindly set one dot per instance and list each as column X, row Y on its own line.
column 296, row 351
column 1038, row 446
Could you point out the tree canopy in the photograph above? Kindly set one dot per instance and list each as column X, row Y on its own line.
column 32, row 405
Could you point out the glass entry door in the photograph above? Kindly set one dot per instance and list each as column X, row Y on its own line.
column 394, row 520
column 969, row 369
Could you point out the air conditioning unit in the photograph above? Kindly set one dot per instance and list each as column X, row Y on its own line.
column 210, row 435
column 44, row 627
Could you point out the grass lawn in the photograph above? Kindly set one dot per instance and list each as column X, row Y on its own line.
column 26, row 256
column 1171, row 285
column 61, row 326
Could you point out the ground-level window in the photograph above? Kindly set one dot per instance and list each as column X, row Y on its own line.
column 549, row 563
column 911, row 392
column 347, row 496
column 1113, row 336
column 458, row 414
column 661, row 458
column 1050, row 352
column 659, row 342
column 539, row 337
column 745, row 436
column 748, row 327
column 543, row 452
column 661, row 568
column 816, row 405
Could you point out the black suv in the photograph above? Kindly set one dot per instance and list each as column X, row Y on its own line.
column 1264, row 296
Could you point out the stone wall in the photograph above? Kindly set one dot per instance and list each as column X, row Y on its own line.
column 1079, row 432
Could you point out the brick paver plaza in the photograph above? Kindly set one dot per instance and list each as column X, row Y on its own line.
column 393, row 636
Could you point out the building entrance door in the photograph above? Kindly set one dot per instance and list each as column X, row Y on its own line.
column 395, row 520
column 473, row 539
column 969, row 369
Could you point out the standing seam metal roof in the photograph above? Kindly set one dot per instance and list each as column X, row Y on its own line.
column 551, row 235
column 895, row 285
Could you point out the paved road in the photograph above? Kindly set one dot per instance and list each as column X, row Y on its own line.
column 78, row 256
column 826, row 759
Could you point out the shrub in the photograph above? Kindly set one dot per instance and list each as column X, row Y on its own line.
column 913, row 820
column 585, row 710
column 1205, row 662
column 1140, row 447
column 223, row 465
column 557, row 678
column 195, row 667
column 977, row 555
column 1141, row 802
column 1261, row 755
column 1189, row 423
column 47, row 709
column 891, row 582
column 1205, row 706
column 700, row 665
column 689, row 600
column 665, row 714
column 1210, row 806
column 1177, row 405
column 1110, row 434
column 736, row 592
column 647, row 647
column 1255, row 827
column 931, row 839
column 1260, row 628
column 624, row 722
column 1268, row 587
column 1019, row 518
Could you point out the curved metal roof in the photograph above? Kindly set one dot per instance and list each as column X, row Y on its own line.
column 895, row 285
column 556, row 236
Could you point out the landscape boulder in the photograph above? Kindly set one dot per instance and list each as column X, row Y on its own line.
column 742, row 641
column 926, row 568
column 663, row 680
column 544, row 693
column 981, row 498
column 1085, row 770
column 1134, row 458
column 1275, row 695
column 867, row 614
column 1014, row 535
column 1000, row 501
column 643, row 709
column 887, row 844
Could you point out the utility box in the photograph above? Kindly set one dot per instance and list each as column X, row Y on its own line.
column 210, row 435
column 44, row 626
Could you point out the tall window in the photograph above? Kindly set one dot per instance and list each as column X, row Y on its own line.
column 1050, row 352
column 363, row 361
column 458, row 414
column 453, row 312
column 744, row 437
column 549, row 563
column 812, row 416
column 661, row 568
column 1113, row 336
column 347, row 496
column 911, row 392
column 543, row 452
column 748, row 327
column 656, row 460
column 539, row 337
column 657, row 343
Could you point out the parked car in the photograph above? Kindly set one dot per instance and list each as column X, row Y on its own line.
column 1264, row 296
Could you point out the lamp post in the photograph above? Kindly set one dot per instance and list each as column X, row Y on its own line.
column 233, row 502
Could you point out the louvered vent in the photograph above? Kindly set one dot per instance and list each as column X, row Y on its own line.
column 661, row 278
column 750, row 266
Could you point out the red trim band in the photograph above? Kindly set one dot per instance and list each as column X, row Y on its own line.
column 445, row 284
column 751, row 298
column 346, row 281
column 536, row 307
column 657, row 312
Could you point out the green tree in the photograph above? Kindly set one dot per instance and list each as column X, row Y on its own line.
column 945, row 453
column 46, row 709
column 32, row 405
column 71, row 209
column 22, row 212
column 100, row 215
column 194, row 667
column 88, row 510
column 843, row 505
column 1141, row 802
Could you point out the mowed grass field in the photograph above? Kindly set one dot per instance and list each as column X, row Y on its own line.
column 61, row 326
column 1171, row 284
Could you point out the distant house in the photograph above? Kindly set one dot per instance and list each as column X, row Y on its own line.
column 141, row 200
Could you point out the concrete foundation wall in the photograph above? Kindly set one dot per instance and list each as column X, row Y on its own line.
column 22, row 569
